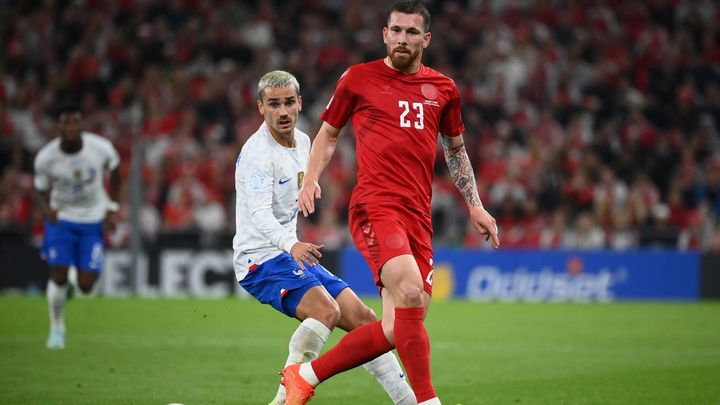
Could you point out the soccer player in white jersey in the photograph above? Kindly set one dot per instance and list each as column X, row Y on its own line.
column 269, row 260
column 69, row 179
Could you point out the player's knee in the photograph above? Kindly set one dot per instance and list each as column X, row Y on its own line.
column 86, row 287
column 358, row 317
column 86, row 281
column 334, row 313
column 329, row 314
column 410, row 296
column 59, row 275
column 367, row 315
column 59, row 279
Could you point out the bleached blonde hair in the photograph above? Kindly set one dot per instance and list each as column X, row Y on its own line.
column 277, row 78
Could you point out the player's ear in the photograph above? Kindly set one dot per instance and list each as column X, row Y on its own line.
column 299, row 102
column 426, row 39
column 261, row 108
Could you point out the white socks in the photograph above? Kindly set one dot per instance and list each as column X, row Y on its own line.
column 305, row 345
column 434, row 401
column 308, row 374
column 56, row 296
column 308, row 340
column 387, row 372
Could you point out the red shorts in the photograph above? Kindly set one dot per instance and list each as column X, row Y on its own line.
column 381, row 233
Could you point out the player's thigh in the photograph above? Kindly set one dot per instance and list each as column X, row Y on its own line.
column 353, row 312
column 380, row 235
column 317, row 303
column 332, row 283
column 59, row 274
column 58, row 247
column 90, row 248
column 279, row 282
column 420, row 237
column 401, row 277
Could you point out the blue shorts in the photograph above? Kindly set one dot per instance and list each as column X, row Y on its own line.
column 70, row 243
column 281, row 283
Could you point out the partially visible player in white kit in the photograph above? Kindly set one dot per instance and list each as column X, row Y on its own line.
column 270, row 262
column 69, row 179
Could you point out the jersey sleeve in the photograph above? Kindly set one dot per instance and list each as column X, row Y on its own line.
column 451, row 123
column 255, row 184
column 342, row 103
column 112, row 160
column 41, row 179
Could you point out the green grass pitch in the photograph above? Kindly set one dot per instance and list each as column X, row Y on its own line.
column 160, row 351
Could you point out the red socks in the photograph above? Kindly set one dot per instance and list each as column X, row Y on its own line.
column 356, row 348
column 413, row 346
column 368, row 342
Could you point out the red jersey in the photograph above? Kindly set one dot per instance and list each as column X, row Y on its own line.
column 397, row 118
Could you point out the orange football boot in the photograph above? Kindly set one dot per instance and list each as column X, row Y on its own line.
column 298, row 391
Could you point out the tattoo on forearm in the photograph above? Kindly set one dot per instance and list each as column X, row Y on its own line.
column 461, row 171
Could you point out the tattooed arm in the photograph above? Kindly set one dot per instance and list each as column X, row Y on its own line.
column 462, row 174
column 461, row 169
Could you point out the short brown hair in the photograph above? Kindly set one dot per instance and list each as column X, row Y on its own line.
column 411, row 7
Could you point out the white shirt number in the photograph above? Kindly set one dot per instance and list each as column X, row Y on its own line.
column 419, row 122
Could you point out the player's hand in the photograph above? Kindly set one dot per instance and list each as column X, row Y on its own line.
column 484, row 223
column 305, row 252
column 309, row 191
column 52, row 216
column 110, row 222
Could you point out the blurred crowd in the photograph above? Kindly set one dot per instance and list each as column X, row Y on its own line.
column 590, row 124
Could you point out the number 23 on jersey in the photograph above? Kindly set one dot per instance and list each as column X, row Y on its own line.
column 408, row 120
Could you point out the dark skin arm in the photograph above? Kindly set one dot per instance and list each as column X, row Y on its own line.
column 42, row 199
column 110, row 216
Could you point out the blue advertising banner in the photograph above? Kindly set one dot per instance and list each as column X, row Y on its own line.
column 549, row 275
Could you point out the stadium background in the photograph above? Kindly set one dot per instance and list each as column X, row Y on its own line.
column 592, row 127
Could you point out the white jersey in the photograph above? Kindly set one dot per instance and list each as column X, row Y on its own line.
column 76, row 180
column 268, row 177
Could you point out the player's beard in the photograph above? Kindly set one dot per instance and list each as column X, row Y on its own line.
column 402, row 61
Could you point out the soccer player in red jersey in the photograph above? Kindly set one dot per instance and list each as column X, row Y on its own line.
column 397, row 107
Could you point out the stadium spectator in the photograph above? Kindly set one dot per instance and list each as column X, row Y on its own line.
column 586, row 234
column 611, row 197
column 633, row 85
column 623, row 235
column 553, row 235
column 657, row 232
